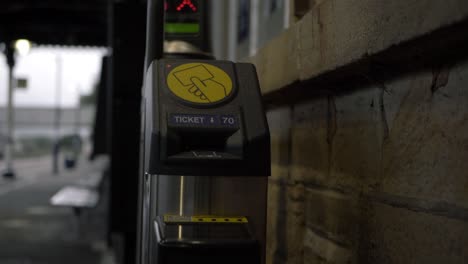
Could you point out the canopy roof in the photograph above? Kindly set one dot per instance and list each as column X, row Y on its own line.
column 55, row 22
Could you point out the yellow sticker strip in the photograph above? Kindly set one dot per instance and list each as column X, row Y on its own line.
column 205, row 219
column 219, row 219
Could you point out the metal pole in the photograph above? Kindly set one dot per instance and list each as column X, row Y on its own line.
column 154, row 51
column 181, row 202
column 9, row 172
column 154, row 32
column 254, row 27
column 78, row 113
column 232, row 44
column 58, row 96
column 58, row 84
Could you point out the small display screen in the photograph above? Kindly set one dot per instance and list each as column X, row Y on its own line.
column 182, row 16
column 182, row 6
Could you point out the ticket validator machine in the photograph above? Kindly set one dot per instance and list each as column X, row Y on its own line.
column 205, row 159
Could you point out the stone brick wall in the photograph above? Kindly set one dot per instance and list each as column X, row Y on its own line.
column 378, row 174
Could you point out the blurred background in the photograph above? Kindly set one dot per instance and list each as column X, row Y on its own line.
column 70, row 84
column 58, row 97
column 366, row 102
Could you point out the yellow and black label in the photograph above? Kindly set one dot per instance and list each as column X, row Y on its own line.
column 180, row 219
column 200, row 83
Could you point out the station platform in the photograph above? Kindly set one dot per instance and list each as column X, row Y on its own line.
column 35, row 232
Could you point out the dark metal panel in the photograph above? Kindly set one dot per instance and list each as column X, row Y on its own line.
column 128, row 47
column 101, row 130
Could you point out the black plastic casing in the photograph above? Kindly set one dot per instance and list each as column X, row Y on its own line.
column 206, row 251
column 247, row 152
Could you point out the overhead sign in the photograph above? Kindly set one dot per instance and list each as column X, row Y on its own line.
column 21, row 83
column 200, row 83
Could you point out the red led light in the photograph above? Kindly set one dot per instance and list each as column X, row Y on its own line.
column 186, row 3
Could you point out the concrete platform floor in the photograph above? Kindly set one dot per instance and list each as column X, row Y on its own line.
column 33, row 232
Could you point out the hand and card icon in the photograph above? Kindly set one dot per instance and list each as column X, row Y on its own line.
column 200, row 83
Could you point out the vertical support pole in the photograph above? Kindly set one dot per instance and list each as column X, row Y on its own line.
column 219, row 27
column 154, row 31
column 232, row 29
column 181, row 202
column 78, row 112
column 288, row 16
column 9, row 171
column 254, row 26
column 127, row 41
column 58, row 95
column 58, row 87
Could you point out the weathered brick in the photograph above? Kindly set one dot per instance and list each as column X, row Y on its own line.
column 321, row 250
column 276, row 223
column 302, row 7
column 337, row 33
column 397, row 235
column 309, row 155
column 280, row 129
column 285, row 228
column 426, row 153
column 333, row 214
column 311, row 258
column 336, row 142
column 281, row 69
column 356, row 153
column 279, row 158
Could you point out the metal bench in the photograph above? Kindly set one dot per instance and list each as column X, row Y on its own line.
column 84, row 194
column 76, row 197
column 86, row 191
